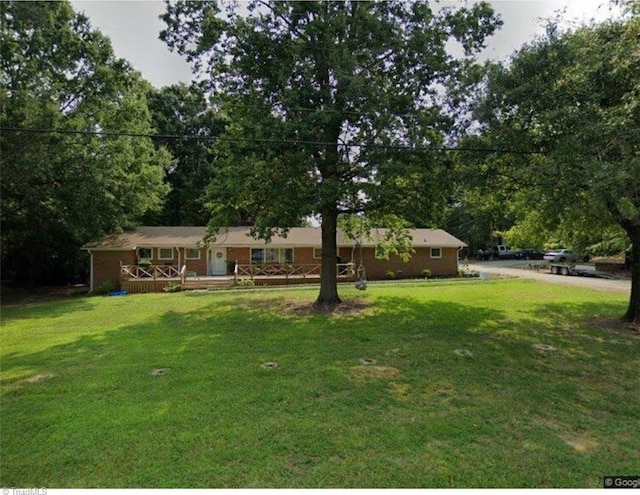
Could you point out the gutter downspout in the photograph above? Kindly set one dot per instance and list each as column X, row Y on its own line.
column 90, row 271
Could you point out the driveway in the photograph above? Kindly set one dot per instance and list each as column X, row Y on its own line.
column 518, row 268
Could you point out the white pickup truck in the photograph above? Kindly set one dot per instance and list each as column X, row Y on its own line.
column 500, row 251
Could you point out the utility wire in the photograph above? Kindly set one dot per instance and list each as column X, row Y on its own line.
column 440, row 149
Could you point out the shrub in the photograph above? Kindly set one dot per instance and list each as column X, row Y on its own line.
column 390, row 275
column 426, row 273
column 173, row 287
column 105, row 288
column 244, row 282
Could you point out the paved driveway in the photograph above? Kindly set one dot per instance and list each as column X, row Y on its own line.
column 516, row 268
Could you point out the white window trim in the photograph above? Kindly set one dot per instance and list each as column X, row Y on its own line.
column 280, row 256
column 435, row 257
column 164, row 258
column 187, row 257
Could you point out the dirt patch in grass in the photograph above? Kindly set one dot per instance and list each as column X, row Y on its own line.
column 615, row 325
column 544, row 347
column 400, row 391
column 363, row 373
column 291, row 307
column 463, row 353
column 580, row 443
column 345, row 308
column 42, row 377
column 160, row 371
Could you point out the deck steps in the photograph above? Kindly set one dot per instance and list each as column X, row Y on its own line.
column 208, row 283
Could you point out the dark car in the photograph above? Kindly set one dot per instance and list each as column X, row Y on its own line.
column 529, row 254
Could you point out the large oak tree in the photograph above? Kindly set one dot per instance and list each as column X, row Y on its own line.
column 575, row 98
column 325, row 98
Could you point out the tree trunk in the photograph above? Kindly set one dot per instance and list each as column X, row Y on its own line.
column 633, row 312
column 328, row 297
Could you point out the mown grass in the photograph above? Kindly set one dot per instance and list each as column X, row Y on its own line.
column 80, row 407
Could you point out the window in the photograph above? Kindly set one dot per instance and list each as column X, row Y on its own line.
column 165, row 253
column 317, row 253
column 144, row 254
column 271, row 255
column 192, row 254
column 436, row 253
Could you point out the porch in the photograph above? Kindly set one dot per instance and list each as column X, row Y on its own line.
column 154, row 278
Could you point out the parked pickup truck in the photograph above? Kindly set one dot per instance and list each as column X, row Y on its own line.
column 500, row 251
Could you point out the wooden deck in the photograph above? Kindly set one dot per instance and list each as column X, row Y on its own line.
column 154, row 278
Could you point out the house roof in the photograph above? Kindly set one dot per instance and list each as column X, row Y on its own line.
column 239, row 237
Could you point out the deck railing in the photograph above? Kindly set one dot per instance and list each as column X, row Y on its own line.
column 163, row 272
column 343, row 270
column 152, row 272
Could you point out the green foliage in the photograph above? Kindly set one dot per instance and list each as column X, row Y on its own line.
column 60, row 190
column 173, row 287
column 390, row 234
column 106, row 287
column 574, row 97
column 243, row 283
column 390, row 275
column 182, row 110
column 322, row 95
column 426, row 273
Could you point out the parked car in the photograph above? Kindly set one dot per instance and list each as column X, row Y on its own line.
column 529, row 254
column 496, row 252
column 562, row 255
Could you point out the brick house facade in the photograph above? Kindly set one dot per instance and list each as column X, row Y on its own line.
column 185, row 248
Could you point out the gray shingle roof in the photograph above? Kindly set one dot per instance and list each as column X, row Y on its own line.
column 239, row 237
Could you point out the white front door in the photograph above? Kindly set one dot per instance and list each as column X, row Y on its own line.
column 217, row 261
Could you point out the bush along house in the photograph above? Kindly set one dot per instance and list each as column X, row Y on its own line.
column 148, row 259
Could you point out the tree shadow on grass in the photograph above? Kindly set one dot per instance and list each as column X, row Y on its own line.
column 218, row 418
column 36, row 309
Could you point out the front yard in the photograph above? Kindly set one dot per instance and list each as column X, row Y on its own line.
column 481, row 384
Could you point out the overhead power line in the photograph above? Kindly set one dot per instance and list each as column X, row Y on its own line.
column 397, row 147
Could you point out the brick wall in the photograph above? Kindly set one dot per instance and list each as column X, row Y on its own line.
column 197, row 266
column 446, row 266
column 442, row 267
column 106, row 265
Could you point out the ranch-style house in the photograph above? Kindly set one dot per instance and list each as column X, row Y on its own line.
column 148, row 259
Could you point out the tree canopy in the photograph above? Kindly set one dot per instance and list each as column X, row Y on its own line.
column 574, row 97
column 184, row 116
column 328, row 100
column 61, row 185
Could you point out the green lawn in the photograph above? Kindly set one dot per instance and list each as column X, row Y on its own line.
column 375, row 397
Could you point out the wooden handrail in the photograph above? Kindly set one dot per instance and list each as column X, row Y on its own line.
column 154, row 272
column 288, row 269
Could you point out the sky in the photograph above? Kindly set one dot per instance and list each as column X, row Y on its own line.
column 134, row 26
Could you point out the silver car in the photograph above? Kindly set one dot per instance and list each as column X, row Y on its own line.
column 562, row 255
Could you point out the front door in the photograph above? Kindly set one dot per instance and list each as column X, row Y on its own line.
column 217, row 261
